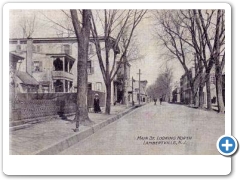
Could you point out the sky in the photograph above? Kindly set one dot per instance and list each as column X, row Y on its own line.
column 151, row 63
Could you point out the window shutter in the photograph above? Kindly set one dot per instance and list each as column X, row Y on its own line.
column 33, row 67
column 40, row 66
column 70, row 50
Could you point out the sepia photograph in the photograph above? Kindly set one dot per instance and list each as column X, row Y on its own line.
column 116, row 81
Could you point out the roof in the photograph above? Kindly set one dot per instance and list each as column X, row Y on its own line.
column 61, row 55
column 26, row 78
column 14, row 56
column 57, row 40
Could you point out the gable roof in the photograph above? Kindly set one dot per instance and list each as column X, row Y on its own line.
column 26, row 78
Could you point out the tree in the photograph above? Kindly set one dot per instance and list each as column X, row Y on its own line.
column 215, row 39
column 162, row 85
column 82, row 34
column 201, row 31
column 197, row 41
column 63, row 27
column 28, row 25
column 115, row 24
column 174, row 37
column 132, row 54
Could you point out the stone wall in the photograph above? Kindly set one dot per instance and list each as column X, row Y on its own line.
column 35, row 105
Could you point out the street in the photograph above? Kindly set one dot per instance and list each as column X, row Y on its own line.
column 167, row 129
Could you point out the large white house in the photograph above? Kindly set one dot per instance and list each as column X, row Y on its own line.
column 51, row 64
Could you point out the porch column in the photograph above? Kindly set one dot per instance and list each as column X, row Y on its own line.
column 64, row 89
column 68, row 66
column 52, row 88
column 63, row 64
column 68, row 82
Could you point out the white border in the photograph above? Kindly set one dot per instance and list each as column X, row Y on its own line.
column 114, row 165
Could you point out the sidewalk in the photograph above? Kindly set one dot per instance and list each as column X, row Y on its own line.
column 51, row 137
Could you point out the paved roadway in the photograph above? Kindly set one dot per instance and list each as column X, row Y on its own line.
column 162, row 129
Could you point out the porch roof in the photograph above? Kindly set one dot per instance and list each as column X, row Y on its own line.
column 26, row 78
column 58, row 55
column 15, row 57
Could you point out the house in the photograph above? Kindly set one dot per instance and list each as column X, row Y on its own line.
column 119, row 83
column 176, row 95
column 13, row 60
column 136, row 95
column 185, row 88
column 47, row 61
column 52, row 62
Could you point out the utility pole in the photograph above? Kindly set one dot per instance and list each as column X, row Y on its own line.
column 139, row 86
column 132, row 91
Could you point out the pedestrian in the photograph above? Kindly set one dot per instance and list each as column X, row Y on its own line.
column 96, row 104
column 155, row 100
column 160, row 100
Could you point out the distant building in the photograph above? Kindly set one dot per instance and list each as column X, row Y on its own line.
column 119, row 83
column 136, row 94
column 185, row 88
column 176, row 95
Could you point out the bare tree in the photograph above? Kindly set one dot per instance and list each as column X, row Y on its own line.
column 206, row 39
column 162, row 86
column 213, row 27
column 189, row 20
column 132, row 54
column 28, row 25
column 174, row 37
column 114, row 23
column 82, row 34
column 63, row 27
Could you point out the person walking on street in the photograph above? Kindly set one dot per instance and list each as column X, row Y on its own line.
column 160, row 100
column 96, row 104
column 155, row 100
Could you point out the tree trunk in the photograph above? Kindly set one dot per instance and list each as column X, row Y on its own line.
column 124, row 81
column 208, row 89
column 201, row 85
column 218, row 69
column 82, row 34
column 220, row 102
column 108, row 98
column 192, row 96
column 201, row 97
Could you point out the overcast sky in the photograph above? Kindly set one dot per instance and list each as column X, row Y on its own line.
column 151, row 63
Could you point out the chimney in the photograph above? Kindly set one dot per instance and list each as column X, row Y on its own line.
column 18, row 47
column 29, row 56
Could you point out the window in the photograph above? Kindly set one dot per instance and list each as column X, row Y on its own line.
column 89, row 86
column 98, row 86
column 90, row 50
column 212, row 79
column 66, row 48
column 18, row 48
column 37, row 66
column 89, row 67
column 45, row 88
column 38, row 48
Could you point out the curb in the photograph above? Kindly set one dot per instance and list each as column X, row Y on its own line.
column 69, row 141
